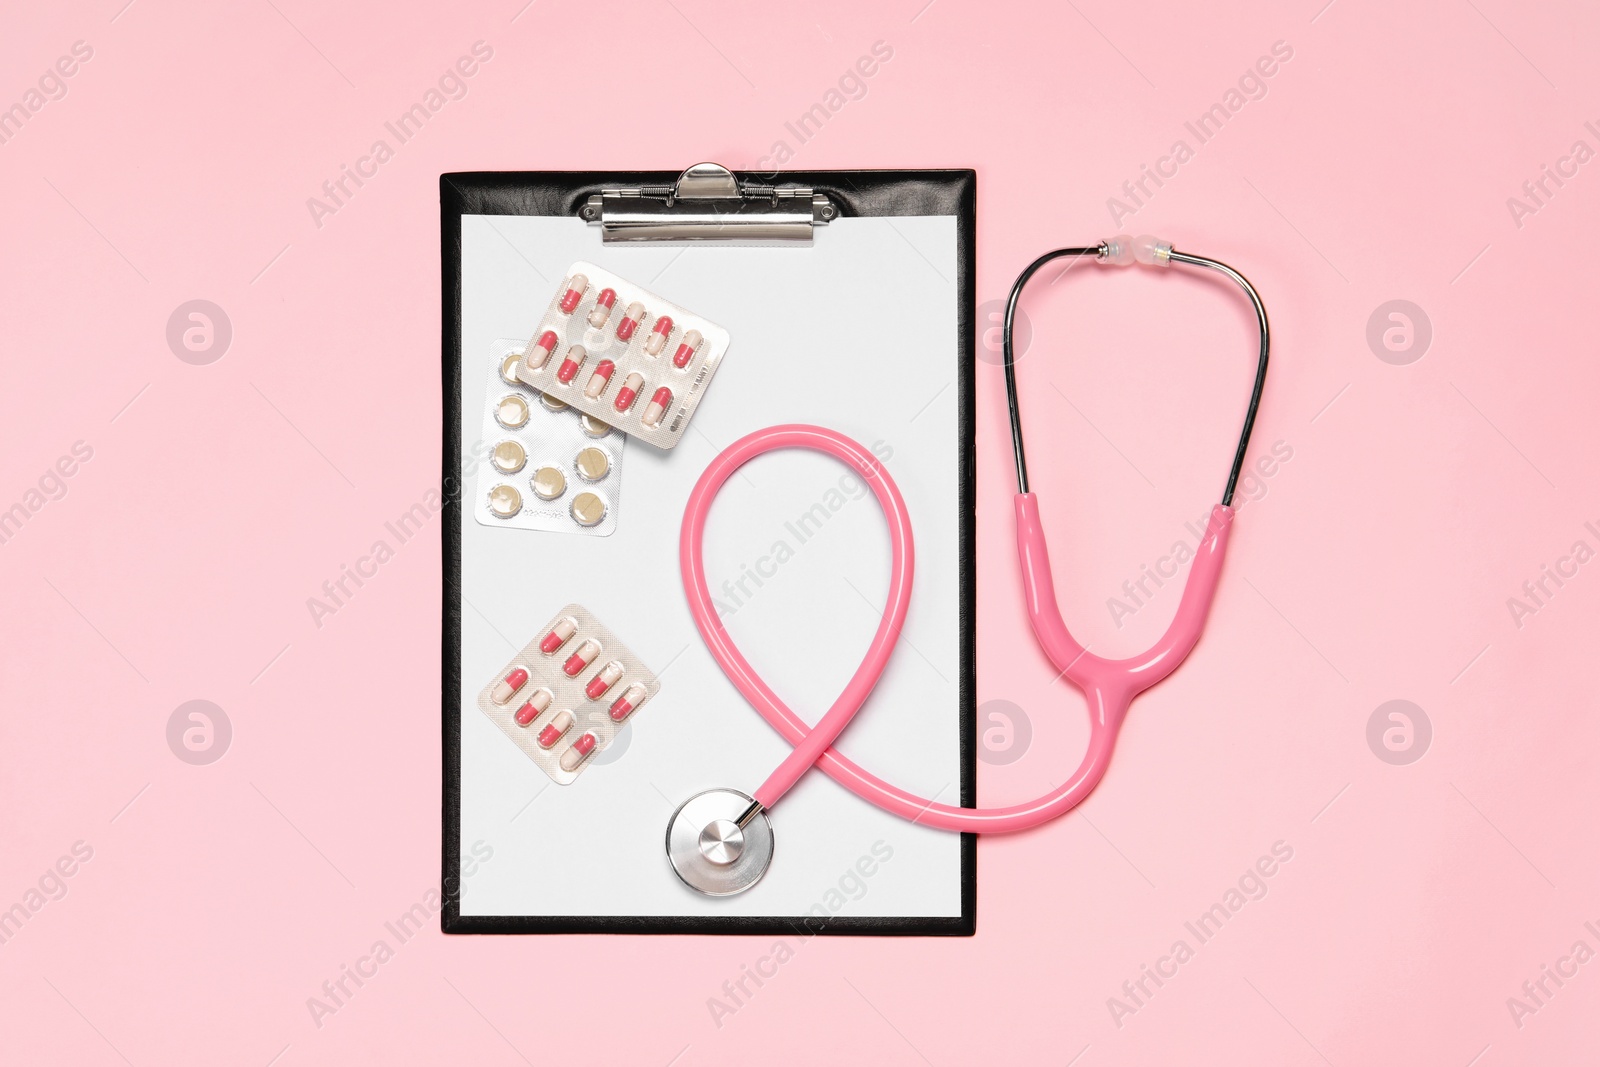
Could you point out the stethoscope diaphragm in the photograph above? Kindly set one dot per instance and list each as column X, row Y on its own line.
column 719, row 842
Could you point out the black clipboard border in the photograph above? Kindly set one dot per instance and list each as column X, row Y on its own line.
column 857, row 193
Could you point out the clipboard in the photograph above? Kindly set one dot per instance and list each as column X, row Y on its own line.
column 849, row 298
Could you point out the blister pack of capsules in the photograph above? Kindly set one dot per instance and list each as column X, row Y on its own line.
column 549, row 467
column 620, row 353
column 565, row 697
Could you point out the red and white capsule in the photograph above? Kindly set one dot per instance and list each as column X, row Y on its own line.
column 658, row 336
column 576, row 286
column 686, row 349
column 629, row 391
column 581, row 658
column 569, row 366
column 656, row 408
column 630, row 321
column 572, row 757
column 538, row 353
column 603, row 680
column 627, row 703
column 602, row 308
column 534, row 706
column 554, row 729
column 508, row 686
column 597, row 381
column 559, row 635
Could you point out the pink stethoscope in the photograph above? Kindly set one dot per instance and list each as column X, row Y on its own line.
column 720, row 841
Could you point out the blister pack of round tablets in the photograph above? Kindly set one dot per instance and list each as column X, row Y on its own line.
column 620, row 353
column 548, row 467
column 565, row 697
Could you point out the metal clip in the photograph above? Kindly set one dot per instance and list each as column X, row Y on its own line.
column 708, row 203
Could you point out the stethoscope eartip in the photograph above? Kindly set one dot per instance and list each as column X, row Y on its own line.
column 719, row 842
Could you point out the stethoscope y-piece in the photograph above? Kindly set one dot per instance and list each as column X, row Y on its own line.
column 720, row 841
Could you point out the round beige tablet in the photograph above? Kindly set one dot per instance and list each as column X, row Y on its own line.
column 593, row 464
column 508, row 457
column 551, row 403
column 511, row 412
column 593, row 426
column 508, row 368
column 505, row 501
column 588, row 509
column 549, row 483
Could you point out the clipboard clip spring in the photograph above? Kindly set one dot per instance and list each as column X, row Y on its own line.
column 708, row 203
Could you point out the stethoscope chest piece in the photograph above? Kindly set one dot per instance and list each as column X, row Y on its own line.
column 719, row 842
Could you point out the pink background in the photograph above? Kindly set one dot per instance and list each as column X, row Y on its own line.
column 1376, row 566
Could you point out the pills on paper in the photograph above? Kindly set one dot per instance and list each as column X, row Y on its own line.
column 630, row 321
column 559, row 634
column 656, row 408
column 508, row 368
column 581, row 657
column 508, row 457
column 569, row 366
column 566, row 696
column 578, row 752
column 658, row 336
column 511, row 412
column 588, row 509
column 514, row 680
column 548, row 483
column 602, row 308
column 629, row 391
column 628, row 330
column 625, row 704
column 535, row 447
column 687, row 348
column 554, row 729
column 573, row 293
column 597, row 381
column 534, row 706
column 505, row 501
column 538, row 354
column 603, row 680
column 593, row 464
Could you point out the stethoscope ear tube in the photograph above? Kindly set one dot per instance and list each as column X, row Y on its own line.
column 1018, row 450
column 1120, row 251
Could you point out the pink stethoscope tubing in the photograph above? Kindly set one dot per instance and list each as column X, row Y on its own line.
column 1110, row 685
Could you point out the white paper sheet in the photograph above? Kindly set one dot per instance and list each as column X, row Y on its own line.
column 857, row 332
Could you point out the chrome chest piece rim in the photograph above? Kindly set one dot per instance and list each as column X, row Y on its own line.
column 719, row 842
